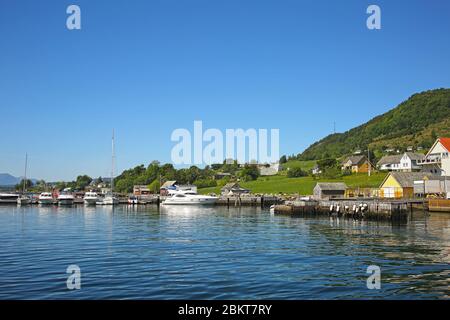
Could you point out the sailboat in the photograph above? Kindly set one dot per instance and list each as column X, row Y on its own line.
column 24, row 199
column 109, row 198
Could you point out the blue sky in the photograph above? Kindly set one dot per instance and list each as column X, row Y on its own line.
column 146, row 68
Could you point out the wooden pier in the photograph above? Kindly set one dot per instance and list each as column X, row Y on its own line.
column 439, row 205
column 367, row 209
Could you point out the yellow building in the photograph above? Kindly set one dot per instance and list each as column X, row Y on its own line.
column 401, row 184
column 356, row 164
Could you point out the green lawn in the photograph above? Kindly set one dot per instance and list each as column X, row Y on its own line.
column 304, row 165
column 303, row 185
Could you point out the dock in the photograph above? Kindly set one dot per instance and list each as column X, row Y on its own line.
column 367, row 209
column 439, row 205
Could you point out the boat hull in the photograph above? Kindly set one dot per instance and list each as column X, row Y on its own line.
column 9, row 198
column 65, row 202
column 203, row 202
column 45, row 201
column 91, row 201
column 23, row 201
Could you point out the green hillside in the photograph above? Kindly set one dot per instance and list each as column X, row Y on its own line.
column 416, row 122
column 303, row 185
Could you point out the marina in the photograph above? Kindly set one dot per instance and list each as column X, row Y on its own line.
column 215, row 252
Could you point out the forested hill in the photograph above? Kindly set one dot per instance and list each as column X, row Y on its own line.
column 415, row 122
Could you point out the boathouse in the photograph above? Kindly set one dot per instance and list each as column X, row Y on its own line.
column 401, row 184
column 141, row 190
column 233, row 188
column 329, row 190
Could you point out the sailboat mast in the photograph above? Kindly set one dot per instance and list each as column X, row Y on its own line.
column 112, row 164
column 25, row 174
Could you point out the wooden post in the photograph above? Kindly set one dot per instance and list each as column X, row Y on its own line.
column 157, row 201
column 411, row 210
column 262, row 202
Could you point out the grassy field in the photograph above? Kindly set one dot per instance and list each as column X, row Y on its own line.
column 303, row 185
column 304, row 165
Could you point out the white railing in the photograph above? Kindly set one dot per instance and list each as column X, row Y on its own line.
column 434, row 160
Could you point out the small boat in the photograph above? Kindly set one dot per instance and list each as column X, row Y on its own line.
column 109, row 200
column 91, row 198
column 189, row 198
column 45, row 198
column 8, row 198
column 133, row 200
column 65, row 199
column 23, row 200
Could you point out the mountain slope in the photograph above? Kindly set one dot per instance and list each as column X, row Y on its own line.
column 9, row 180
column 416, row 121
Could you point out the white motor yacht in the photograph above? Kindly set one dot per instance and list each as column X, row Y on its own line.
column 45, row 198
column 8, row 198
column 65, row 199
column 91, row 198
column 189, row 198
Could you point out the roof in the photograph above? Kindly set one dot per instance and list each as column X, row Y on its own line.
column 389, row 159
column 406, row 179
column 445, row 142
column 168, row 184
column 415, row 156
column 355, row 160
column 332, row 186
column 231, row 185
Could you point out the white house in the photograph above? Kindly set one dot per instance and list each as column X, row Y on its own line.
column 407, row 162
column 269, row 169
column 389, row 163
column 316, row 170
column 437, row 159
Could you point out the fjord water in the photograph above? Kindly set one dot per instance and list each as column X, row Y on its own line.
column 217, row 253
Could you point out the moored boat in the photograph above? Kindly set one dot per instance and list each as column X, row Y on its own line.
column 65, row 199
column 109, row 200
column 23, row 200
column 133, row 200
column 8, row 198
column 91, row 198
column 45, row 198
column 189, row 198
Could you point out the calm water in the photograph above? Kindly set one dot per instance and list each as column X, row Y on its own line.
column 216, row 253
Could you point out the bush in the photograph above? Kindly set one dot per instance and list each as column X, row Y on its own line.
column 249, row 173
column 205, row 183
column 296, row 173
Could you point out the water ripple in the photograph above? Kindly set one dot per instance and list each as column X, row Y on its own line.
column 217, row 253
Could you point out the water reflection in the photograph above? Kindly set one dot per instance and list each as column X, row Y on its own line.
column 175, row 252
